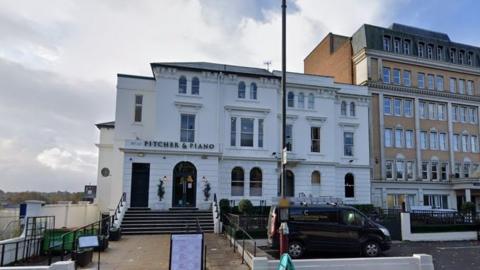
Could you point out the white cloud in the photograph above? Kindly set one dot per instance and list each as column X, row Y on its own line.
column 58, row 61
column 61, row 159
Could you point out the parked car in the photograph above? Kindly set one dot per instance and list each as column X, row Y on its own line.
column 329, row 228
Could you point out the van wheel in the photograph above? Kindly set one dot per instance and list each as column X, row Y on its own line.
column 295, row 250
column 371, row 249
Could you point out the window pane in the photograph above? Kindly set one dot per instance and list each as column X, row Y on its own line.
column 348, row 143
column 187, row 128
column 246, row 136
column 315, row 139
column 387, row 105
column 195, row 86
column 289, row 137
column 260, row 132
column 290, row 100
column 421, row 80
column 233, row 131
column 241, row 90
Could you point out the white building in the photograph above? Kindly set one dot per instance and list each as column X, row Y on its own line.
column 199, row 124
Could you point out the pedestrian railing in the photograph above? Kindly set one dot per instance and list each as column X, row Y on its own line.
column 29, row 244
column 231, row 229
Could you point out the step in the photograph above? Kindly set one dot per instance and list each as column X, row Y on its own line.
column 167, row 221
column 169, row 214
column 172, row 229
column 162, row 232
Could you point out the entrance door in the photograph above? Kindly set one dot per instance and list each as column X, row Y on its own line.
column 184, row 185
column 140, row 184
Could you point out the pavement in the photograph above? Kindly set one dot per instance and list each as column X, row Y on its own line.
column 452, row 255
column 144, row 252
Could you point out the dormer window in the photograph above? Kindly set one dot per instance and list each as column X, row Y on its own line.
column 421, row 49
column 470, row 59
column 440, row 53
column 386, row 43
column 406, row 46
column 452, row 55
column 430, row 51
column 396, row 45
column 461, row 55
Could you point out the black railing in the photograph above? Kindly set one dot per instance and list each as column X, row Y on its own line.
column 118, row 209
column 257, row 222
column 230, row 228
column 429, row 217
column 215, row 203
column 30, row 245
column 68, row 240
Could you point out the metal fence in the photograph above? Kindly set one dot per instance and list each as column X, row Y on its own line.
column 28, row 246
column 249, row 223
column 443, row 218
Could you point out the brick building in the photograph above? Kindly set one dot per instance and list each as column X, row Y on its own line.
column 424, row 112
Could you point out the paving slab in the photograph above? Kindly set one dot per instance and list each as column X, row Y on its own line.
column 144, row 252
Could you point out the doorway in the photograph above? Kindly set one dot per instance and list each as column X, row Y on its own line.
column 140, row 184
column 184, row 185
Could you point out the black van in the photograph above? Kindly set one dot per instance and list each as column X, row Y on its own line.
column 329, row 228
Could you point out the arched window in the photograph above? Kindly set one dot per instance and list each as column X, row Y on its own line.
column 195, row 86
column 349, row 186
column 238, row 178
column 301, row 100
column 311, row 101
column 290, row 100
column 316, row 178
column 255, row 182
column 182, row 85
column 343, row 108
column 253, row 91
column 352, row 108
column 241, row 90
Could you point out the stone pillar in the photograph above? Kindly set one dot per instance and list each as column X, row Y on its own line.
column 468, row 195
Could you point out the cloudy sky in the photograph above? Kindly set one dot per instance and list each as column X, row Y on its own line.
column 59, row 59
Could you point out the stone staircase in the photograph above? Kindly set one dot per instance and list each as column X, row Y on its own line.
column 146, row 221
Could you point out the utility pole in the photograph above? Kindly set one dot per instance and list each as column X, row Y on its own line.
column 283, row 202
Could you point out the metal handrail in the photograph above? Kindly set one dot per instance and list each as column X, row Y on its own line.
column 244, row 233
column 216, row 205
column 90, row 226
column 123, row 198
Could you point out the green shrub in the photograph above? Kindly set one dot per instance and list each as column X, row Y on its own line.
column 224, row 205
column 245, row 206
column 468, row 207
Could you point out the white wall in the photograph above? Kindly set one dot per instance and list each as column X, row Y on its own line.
column 407, row 234
column 66, row 215
column 214, row 107
column 416, row 262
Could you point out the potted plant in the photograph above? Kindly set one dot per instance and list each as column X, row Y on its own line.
column 206, row 191
column 161, row 192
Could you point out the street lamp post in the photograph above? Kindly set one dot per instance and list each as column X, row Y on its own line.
column 283, row 204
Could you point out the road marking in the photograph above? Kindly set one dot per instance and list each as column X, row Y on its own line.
column 464, row 247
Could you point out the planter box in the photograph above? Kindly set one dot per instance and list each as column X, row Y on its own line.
column 115, row 234
column 83, row 258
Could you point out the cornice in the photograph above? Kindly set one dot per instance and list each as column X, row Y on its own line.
column 419, row 61
column 395, row 89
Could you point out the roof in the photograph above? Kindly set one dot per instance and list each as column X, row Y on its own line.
column 135, row 76
column 215, row 67
column 419, row 31
column 110, row 124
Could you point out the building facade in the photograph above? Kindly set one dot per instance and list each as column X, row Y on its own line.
column 424, row 113
column 193, row 130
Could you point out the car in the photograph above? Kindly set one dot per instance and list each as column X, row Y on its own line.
column 336, row 228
